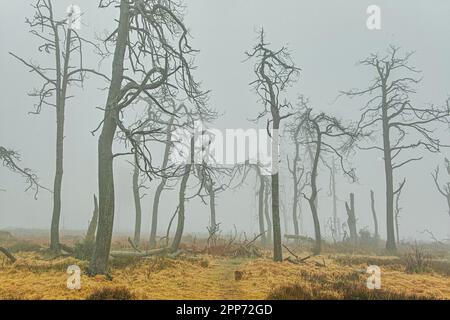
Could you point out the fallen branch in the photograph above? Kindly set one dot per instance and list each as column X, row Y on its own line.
column 8, row 254
column 119, row 254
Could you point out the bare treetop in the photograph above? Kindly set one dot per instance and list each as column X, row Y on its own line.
column 274, row 70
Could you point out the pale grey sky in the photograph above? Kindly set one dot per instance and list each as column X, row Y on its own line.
column 326, row 39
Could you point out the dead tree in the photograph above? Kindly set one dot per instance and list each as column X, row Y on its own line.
column 151, row 54
column 374, row 215
column 90, row 235
column 444, row 190
column 351, row 219
column 297, row 171
column 274, row 71
column 325, row 134
column 398, row 209
column 404, row 126
column 65, row 44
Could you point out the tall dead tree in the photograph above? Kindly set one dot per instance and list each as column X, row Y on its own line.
column 274, row 71
column 324, row 134
column 152, row 40
column 64, row 43
column 351, row 219
column 444, row 190
column 374, row 215
column 404, row 126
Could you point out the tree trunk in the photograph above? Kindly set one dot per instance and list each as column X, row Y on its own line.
column 351, row 220
column 90, row 235
column 397, row 229
column 261, row 194
column 277, row 248
column 181, row 201
column 212, row 206
column 99, row 260
column 334, row 195
column 313, row 199
column 267, row 213
column 162, row 184
column 390, row 242
column 61, row 89
column 374, row 214
column 137, row 206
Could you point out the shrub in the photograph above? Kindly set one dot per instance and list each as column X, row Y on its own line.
column 417, row 260
column 111, row 293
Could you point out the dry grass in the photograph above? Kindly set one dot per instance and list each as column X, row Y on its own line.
column 201, row 276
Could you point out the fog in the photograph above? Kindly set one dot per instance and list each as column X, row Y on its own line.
column 326, row 39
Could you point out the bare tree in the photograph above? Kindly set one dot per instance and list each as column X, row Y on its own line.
column 155, row 39
column 274, row 71
column 404, row 127
column 65, row 44
column 325, row 134
column 444, row 190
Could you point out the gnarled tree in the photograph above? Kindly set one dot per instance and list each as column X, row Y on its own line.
column 401, row 126
column 152, row 40
column 275, row 72
column 65, row 44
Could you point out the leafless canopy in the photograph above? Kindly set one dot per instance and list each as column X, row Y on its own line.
column 274, row 71
column 410, row 127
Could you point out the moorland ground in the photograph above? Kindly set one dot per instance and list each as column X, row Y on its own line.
column 226, row 272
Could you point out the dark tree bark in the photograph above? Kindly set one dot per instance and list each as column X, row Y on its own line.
column 351, row 219
column 374, row 214
column 90, row 235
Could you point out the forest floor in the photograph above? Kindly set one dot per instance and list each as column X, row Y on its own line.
column 38, row 275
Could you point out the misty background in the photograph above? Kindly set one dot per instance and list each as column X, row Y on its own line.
column 326, row 39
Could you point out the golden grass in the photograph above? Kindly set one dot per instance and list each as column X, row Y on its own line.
column 35, row 276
